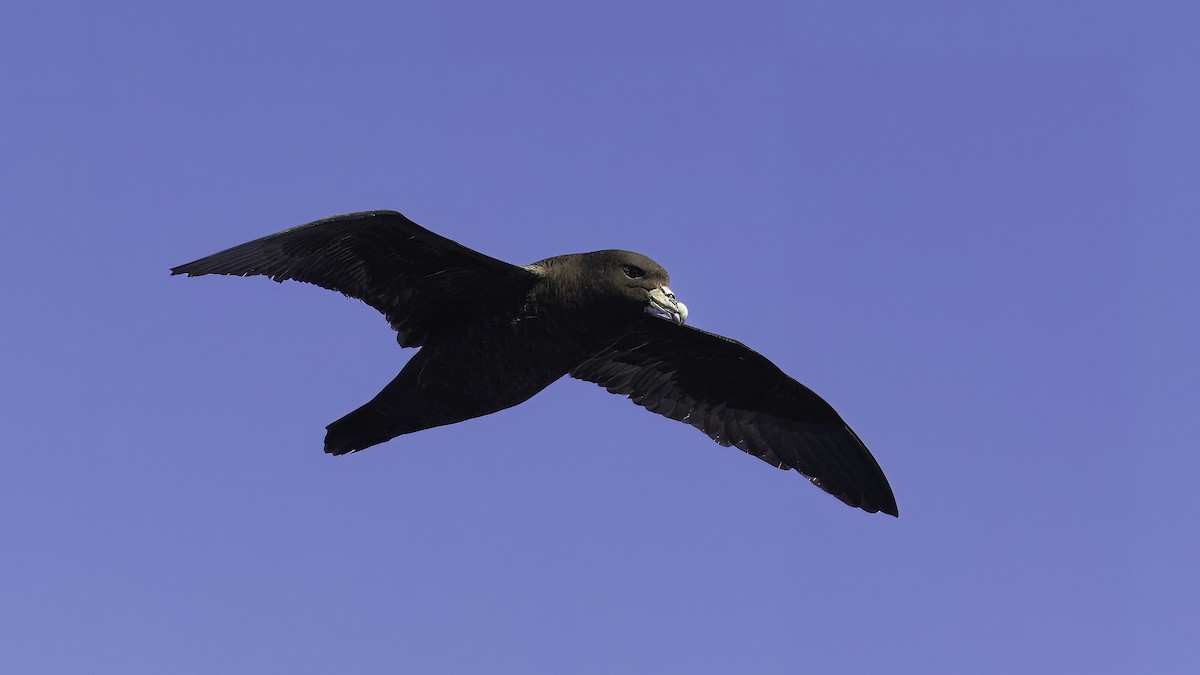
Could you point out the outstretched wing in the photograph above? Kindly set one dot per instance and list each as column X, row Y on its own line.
column 737, row 397
column 415, row 277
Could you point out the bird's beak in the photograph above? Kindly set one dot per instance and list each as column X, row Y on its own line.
column 664, row 304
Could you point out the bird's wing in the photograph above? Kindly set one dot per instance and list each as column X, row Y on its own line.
column 413, row 276
column 737, row 397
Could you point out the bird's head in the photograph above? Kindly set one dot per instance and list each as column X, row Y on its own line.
column 623, row 282
column 638, row 280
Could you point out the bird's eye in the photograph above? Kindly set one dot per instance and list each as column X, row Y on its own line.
column 633, row 271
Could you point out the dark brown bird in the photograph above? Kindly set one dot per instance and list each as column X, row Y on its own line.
column 493, row 334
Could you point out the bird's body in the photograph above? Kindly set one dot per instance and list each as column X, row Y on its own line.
column 488, row 362
column 492, row 335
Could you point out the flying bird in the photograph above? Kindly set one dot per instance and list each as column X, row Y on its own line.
column 494, row 334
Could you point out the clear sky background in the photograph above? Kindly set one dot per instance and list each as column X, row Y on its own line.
column 972, row 227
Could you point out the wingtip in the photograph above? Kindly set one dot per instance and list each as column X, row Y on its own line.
column 184, row 269
column 889, row 505
column 886, row 505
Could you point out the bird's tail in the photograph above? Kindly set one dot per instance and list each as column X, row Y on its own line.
column 360, row 429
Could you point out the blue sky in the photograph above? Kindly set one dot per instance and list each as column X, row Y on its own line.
column 972, row 227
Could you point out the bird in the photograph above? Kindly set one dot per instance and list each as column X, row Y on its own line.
column 493, row 334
